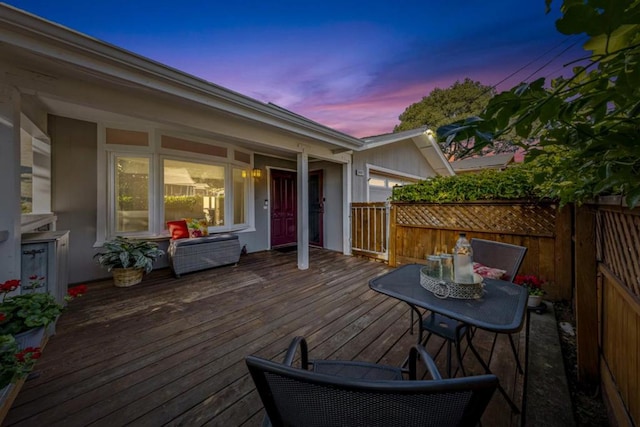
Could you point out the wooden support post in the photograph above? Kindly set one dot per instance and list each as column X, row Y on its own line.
column 586, row 267
column 392, row 236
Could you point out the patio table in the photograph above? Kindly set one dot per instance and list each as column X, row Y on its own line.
column 502, row 308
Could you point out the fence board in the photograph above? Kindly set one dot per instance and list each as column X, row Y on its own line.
column 424, row 228
column 621, row 342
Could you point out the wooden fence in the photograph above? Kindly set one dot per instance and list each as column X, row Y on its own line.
column 597, row 245
column 608, row 301
column 419, row 229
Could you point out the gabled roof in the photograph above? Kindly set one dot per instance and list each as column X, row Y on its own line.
column 424, row 140
column 47, row 39
column 497, row 161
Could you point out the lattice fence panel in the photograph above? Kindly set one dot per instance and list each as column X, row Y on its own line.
column 524, row 219
column 620, row 246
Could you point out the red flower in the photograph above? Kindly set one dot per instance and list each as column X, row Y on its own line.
column 34, row 277
column 76, row 291
column 529, row 281
column 2, row 317
column 30, row 353
column 10, row 285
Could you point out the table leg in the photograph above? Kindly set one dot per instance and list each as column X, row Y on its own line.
column 512, row 405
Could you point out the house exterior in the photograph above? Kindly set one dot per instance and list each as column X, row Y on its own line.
column 103, row 142
column 396, row 159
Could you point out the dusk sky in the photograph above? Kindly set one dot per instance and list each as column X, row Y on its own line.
column 353, row 66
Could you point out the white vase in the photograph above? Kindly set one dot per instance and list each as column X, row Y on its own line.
column 534, row 300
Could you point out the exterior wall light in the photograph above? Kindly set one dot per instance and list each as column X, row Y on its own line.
column 256, row 173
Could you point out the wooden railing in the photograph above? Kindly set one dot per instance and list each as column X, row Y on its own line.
column 370, row 229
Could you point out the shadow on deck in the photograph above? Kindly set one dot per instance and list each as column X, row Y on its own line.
column 171, row 351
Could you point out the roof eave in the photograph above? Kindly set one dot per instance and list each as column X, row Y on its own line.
column 132, row 67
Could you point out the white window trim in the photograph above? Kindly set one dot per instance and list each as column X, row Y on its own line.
column 106, row 180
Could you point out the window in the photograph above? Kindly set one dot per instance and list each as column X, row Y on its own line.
column 35, row 174
column 151, row 179
column 240, row 182
column 132, row 194
column 194, row 190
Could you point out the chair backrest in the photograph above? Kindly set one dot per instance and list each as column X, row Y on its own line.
column 297, row 397
column 499, row 255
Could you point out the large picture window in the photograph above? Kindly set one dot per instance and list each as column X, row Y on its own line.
column 194, row 190
column 173, row 178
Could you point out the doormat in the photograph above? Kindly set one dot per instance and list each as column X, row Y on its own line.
column 285, row 249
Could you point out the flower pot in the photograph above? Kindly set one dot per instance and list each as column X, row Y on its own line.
column 534, row 300
column 124, row 277
column 31, row 338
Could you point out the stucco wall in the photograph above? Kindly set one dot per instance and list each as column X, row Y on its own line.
column 400, row 156
column 73, row 164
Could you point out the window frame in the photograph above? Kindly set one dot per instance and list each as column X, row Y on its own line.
column 107, row 153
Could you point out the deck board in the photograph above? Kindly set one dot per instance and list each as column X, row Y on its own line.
column 171, row 351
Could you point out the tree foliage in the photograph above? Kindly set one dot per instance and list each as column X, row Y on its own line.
column 588, row 125
column 443, row 106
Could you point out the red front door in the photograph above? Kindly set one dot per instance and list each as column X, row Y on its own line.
column 284, row 212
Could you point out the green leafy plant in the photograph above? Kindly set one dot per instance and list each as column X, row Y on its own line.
column 513, row 183
column 125, row 253
column 15, row 363
column 23, row 312
column 586, row 125
column 19, row 313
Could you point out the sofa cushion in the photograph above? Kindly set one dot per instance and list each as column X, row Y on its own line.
column 197, row 227
column 178, row 229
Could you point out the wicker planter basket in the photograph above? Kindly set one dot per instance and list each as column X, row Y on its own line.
column 123, row 277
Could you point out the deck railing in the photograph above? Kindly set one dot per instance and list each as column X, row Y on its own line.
column 370, row 229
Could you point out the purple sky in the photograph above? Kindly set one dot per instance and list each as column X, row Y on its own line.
column 353, row 66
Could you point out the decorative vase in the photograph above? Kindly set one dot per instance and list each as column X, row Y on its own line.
column 30, row 338
column 534, row 300
column 124, row 277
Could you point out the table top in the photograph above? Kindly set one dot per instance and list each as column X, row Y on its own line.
column 501, row 309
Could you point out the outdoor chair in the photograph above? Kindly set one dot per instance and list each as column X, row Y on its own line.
column 503, row 256
column 349, row 393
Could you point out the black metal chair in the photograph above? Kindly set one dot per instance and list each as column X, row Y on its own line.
column 348, row 393
column 503, row 256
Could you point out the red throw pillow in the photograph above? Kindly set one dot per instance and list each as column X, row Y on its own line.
column 178, row 229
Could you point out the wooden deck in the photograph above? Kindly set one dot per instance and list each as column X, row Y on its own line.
column 171, row 351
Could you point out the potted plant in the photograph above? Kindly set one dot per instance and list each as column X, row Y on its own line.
column 128, row 259
column 26, row 316
column 534, row 288
column 16, row 363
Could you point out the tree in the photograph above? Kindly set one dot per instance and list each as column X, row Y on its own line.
column 587, row 125
column 443, row 106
